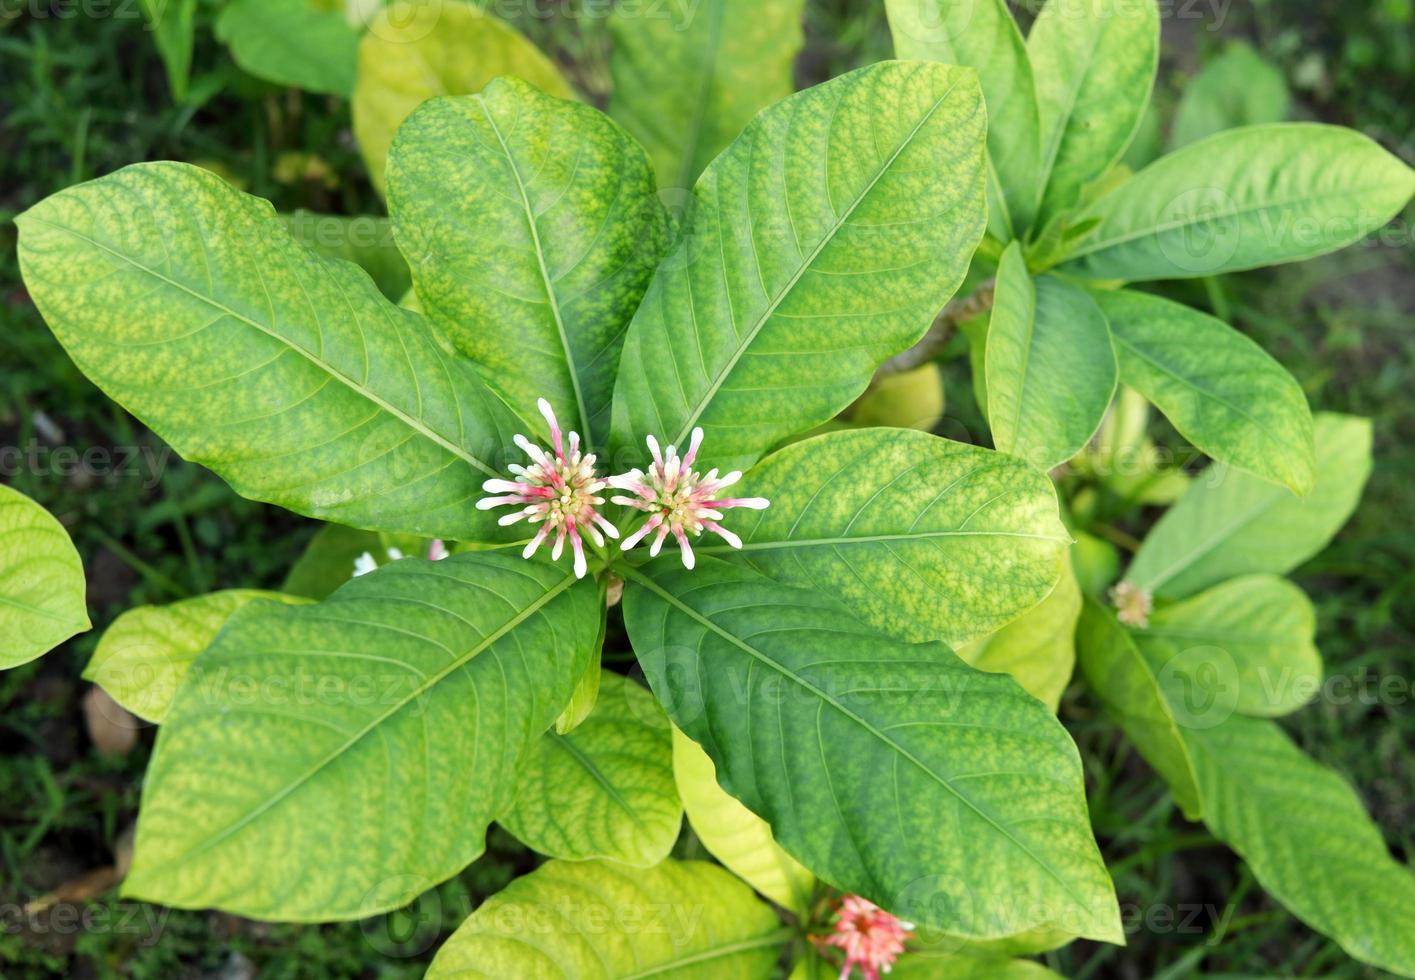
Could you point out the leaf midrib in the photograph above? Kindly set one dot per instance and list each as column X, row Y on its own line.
column 565, row 743
column 872, row 539
column 331, row 756
column 413, row 423
column 775, row 938
column 862, row 722
column 551, row 298
column 802, row 269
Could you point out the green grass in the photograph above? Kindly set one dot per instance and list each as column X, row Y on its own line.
column 85, row 96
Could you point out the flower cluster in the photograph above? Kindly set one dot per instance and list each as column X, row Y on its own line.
column 560, row 492
column 1133, row 604
column 366, row 562
column 678, row 500
column 871, row 938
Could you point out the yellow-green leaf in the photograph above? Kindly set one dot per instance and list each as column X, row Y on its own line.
column 605, row 790
column 41, row 581
column 144, row 656
column 414, row 51
column 681, row 920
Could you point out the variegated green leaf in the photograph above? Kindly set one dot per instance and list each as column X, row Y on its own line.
column 1230, row 523
column 605, row 789
column 1245, row 198
column 1220, row 389
column 142, row 659
column 821, row 242
column 414, row 51
column 896, row 771
column 687, row 80
column 292, row 42
column 334, row 760
column 1051, row 370
column 1094, row 62
column 41, row 581
column 287, row 373
column 920, row 537
column 536, row 265
column 983, row 36
column 681, row 920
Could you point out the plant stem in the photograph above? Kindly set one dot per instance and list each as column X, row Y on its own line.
column 941, row 332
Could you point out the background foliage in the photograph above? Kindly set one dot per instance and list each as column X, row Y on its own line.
column 86, row 93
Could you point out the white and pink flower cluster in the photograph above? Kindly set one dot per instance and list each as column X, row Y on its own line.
column 870, row 937
column 561, row 492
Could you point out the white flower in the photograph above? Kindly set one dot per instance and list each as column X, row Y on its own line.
column 558, row 492
column 680, row 501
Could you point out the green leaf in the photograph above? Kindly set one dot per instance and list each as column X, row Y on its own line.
column 1265, row 625
column 1039, row 649
column 364, row 240
column 285, row 372
column 606, row 789
column 1306, row 836
column 821, row 242
column 1237, row 88
column 734, row 835
column 1220, row 389
column 536, row 265
column 1126, row 683
column 681, row 920
column 1051, row 370
column 1246, row 198
column 328, row 561
column 1230, row 523
column 959, row 966
column 172, row 31
column 983, row 36
column 415, row 51
column 686, row 82
column 292, row 42
column 920, row 537
column 1095, row 63
column 41, row 581
column 895, row 771
column 333, row 761
column 142, row 659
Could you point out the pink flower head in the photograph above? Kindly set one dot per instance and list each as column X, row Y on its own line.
column 680, row 501
column 871, row 938
column 437, row 550
column 558, row 492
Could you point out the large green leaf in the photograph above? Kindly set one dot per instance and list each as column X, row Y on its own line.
column 1237, row 88
column 332, row 761
column 821, row 242
column 734, row 835
column 414, row 51
column 896, row 771
column 1220, row 389
column 1039, row 648
column 1051, row 370
column 605, row 790
column 1244, row 198
column 143, row 657
column 1126, row 683
column 682, row 920
column 983, row 36
column 285, row 372
column 922, row 538
column 1230, row 523
column 1262, row 629
column 687, row 81
column 1094, row 62
column 1306, row 836
column 41, row 581
column 536, row 265
column 292, row 42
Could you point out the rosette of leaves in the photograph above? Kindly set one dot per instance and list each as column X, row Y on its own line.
column 333, row 759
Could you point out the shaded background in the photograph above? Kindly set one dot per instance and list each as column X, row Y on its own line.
column 82, row 92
